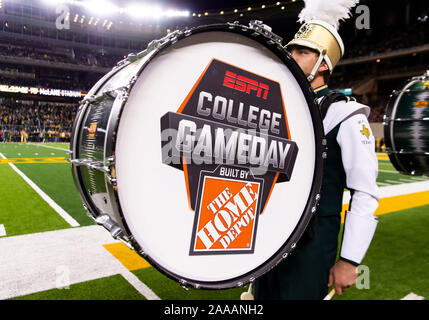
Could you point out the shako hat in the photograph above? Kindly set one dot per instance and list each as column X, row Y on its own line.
column 320, row 20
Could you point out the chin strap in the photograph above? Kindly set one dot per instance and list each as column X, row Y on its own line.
column 316, row 66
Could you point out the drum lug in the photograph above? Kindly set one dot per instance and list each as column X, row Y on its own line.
column 266, row 30
column 184, row 284
column 127, row 243
column 132, row 57
column 110, row 225
column 88, row 99
column 232, row 25
column 95, row 165
column 112, row 180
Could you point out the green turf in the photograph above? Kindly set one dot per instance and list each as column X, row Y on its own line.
column 56, row 180
column 109, row 288
column 17, row 150
column 397, row 258
column 22, row 210
column 168, row 289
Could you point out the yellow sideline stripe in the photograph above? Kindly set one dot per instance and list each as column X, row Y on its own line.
column 129, row 258
column 382, row 156
column 34, row 160
column 132, row 261
column 392, row 204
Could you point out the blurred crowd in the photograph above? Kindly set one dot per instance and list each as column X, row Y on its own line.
column 87, row 57
column 37, row 123
column 66, row 83
column 387, row 39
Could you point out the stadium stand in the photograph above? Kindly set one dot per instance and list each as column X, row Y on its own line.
column 35, row 52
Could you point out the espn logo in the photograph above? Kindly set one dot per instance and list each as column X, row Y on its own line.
column 244, row 84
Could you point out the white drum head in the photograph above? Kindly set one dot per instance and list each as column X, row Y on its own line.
column 155, row 197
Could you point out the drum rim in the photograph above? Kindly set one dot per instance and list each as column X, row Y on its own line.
column 388, row 123
column 89, row 206
column 320, row 154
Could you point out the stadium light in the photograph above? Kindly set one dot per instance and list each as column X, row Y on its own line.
column 102, row 7
column 143, row 11
column 135, row 10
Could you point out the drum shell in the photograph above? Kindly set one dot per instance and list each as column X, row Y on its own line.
column 106, row 205
column 406, row 128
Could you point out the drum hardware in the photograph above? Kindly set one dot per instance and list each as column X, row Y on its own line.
column 109, row 225
column 132, row 57
column 408, row 119
column 394, row 92
column 262, row 28
column 407, row 152
column 121, row 93
column 406, row 127
column 104, row 158
column 184, row 284
column 95, row 165
column 85, row 100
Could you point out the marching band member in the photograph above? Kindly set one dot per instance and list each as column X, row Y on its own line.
column 351, row 163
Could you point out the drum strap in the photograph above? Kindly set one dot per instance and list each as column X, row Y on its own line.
column 330, row 98
column 324, row 105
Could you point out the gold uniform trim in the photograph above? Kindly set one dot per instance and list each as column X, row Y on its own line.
column 319, row 38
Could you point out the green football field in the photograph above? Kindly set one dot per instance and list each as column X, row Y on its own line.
column 50, row 249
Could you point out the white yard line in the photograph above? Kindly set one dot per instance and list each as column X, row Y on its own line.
column 138, row 285
column 383, row 184
column 413, row 296
column 50, row 147
column 420, row 179
column 41, row 261
column 2, row 230
column 388, row 171
column 407, row 180
column 69, row 219
column 393, row 181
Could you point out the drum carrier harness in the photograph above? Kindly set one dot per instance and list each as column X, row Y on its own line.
column 324, row 104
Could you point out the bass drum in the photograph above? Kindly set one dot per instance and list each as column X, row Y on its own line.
column 203, row 153
column 406, row 127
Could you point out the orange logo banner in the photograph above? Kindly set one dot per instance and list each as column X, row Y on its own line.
column 228, row 210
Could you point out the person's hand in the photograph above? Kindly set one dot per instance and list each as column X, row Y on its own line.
column 342, row 275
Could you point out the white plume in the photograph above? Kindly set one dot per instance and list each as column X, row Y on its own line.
column 330, row 11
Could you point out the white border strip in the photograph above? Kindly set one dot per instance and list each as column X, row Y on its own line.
column 44, row 196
